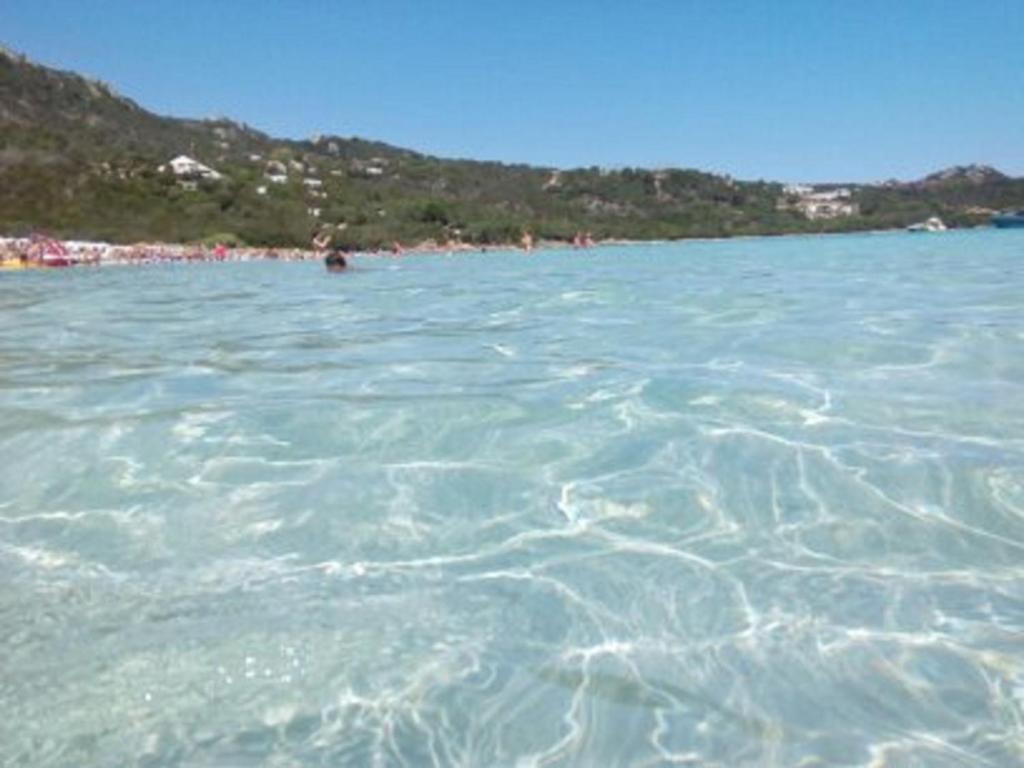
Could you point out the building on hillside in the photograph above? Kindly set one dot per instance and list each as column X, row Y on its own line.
column 840, row 193
column 184, row 167
column 276, row 172
column 797, row 190
column 824, row 204
column 553, row 181
column 826, row 207
column 372, row 167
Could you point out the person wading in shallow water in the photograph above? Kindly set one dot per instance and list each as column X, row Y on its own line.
column 335, row 260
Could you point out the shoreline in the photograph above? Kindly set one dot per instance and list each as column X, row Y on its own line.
column 38, row 252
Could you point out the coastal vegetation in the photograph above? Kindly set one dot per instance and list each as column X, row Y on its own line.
column 79, row 161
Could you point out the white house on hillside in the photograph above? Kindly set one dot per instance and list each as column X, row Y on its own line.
column 825, row 204
column 185, row 167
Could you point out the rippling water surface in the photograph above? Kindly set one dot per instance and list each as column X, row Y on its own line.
column 744, row 503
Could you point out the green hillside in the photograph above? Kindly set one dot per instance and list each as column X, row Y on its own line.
column 78, row 160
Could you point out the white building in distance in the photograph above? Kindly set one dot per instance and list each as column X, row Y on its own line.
column 824, row 204
column 826, row 209
column 797, row 190
column 184, row 167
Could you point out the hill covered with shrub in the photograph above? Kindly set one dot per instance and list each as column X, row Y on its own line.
column 77, row 160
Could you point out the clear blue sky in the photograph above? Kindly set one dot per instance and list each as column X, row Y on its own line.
column 780, row 89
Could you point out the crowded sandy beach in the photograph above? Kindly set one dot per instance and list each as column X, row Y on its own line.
column 42, row 252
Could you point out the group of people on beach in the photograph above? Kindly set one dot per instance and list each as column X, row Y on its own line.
column 39, row 251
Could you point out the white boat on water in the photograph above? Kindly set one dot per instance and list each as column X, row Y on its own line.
column 933, row 224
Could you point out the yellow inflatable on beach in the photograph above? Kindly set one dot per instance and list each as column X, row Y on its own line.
column 9, row 264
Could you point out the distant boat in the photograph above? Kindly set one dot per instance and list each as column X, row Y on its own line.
column 1009, row 219
column 934, row 224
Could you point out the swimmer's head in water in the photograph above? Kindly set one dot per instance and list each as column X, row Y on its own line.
column 335, row 262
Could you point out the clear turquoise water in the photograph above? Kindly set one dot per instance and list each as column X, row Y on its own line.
column 744, row 503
